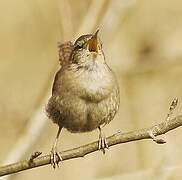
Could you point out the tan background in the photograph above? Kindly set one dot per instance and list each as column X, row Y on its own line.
column 143, row 45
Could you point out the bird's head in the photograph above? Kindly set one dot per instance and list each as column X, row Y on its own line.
column 88, row 51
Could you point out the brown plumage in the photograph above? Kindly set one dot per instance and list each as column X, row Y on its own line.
column 85, row 93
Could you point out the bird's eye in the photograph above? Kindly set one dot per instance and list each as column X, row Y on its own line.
column 79, row 46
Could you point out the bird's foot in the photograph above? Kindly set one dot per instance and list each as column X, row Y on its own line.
column 102, row 142
column 55, row 157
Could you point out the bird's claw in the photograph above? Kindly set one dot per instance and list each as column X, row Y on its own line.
column 102, row 143
column 55, row 158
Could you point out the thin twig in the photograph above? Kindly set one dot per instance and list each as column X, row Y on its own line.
column 34, row 155
column 81, row 151
column 172, row 108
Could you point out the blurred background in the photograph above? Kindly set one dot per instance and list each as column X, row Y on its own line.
column 143, row 45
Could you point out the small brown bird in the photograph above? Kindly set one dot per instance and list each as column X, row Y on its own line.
column 85, row 93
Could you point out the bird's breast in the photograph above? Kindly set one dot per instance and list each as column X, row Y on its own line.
column 94, row 86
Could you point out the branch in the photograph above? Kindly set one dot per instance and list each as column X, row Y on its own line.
column 81, row 151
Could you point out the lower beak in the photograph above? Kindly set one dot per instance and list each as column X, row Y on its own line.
column 93, row 43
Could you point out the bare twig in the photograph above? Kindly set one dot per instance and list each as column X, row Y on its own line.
column 172, row 107
column 81, row 151
column 34, row 155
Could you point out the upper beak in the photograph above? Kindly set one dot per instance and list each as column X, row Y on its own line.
column 93, row 43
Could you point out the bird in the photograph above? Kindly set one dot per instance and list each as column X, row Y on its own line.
column 85, row 91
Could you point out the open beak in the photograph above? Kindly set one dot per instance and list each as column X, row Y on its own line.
column 93, row 43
